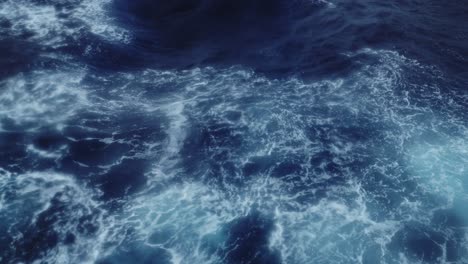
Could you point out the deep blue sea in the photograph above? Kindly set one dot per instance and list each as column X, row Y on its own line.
column 234, row 131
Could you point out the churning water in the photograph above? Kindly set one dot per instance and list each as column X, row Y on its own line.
column 248, row 131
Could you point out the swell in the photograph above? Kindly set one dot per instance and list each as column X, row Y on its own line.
column 292, row 37
column 275, row 135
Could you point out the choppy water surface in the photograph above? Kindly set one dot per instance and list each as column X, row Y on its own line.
column 212, row 131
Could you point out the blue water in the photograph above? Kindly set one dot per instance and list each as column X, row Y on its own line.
column 214, row 131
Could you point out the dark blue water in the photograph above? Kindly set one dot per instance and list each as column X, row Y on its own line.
column 213, row 131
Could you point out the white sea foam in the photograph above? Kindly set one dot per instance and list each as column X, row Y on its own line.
column 94, row 14
column 278, row 126
column 318, row 215
column 414, row 134
column 54, row 26
column 26, row 196
column 40, row 98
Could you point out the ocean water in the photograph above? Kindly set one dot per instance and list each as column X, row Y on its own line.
column 248, row 131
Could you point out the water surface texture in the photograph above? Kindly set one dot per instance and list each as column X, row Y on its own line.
column 248, row 131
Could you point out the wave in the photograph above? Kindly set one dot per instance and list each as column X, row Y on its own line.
column 296, row 169
column 289, row 132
